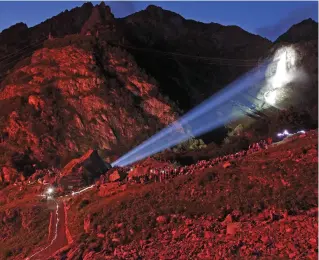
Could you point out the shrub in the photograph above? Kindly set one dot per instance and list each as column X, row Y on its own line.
column 7, row 253
column 235, row 143
column 190, row 144
column 83, row 203
column 23, row 162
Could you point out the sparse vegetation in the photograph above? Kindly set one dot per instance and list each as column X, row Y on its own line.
column 189, row 145
column 84, row 42
column 84, row 203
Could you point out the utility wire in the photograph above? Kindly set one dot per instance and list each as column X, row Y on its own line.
column 18, row 51
column 223, row 61
column 212, row 60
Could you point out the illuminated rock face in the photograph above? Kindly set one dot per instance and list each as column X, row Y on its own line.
column 284, row 73
column 286, row 78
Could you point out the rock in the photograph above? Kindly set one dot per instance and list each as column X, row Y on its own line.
column 91, row 161
column 74, row 253
column 116, row 175
column 226, row 165
column 312, row 151
column 265, row 239
column 107, row 189
column 87, row 223
column 36, row 102
column 228, row 219
column 161, row 219
column 232, row 228
column 9, row 174
column 116, row 240
column 119, row 225
column 313, row 241
column 86, row 168
column 208, row 234
column 188, row 222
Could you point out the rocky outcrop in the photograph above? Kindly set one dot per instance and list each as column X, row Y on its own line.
column 8, row 175
column 91, row 161
column 109, row 189
column 101, row 23
column 19, row 41
column 88, row 167
column 116, row 175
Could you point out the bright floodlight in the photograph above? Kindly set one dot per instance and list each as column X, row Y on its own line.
column 281, row 73
column 50, row 190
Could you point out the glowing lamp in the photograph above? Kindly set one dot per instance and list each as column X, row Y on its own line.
column 50, row 190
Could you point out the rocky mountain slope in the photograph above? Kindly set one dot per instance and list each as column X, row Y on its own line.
column 263, row 206
column 66, row 99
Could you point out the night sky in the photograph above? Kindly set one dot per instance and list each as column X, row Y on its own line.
column 268, row 19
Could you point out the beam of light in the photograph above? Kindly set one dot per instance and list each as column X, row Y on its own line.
column 209, row 115
column 55, row 235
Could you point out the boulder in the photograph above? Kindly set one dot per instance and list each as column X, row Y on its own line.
column 36, row 102
column 8, row 174
column 226, row 165
column 116, row 175
column 232, row 228
column 90, row 164
column 161, row 219
column 107, row 189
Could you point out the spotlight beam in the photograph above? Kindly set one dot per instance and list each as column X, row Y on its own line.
column 199, row 119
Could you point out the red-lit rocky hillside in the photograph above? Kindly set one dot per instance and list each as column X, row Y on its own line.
column 263, row 205
column 66, row 99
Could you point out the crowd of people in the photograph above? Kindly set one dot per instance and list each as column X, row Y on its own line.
column 168, row 172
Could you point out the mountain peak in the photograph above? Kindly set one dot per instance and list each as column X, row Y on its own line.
column 306, row 30
column 153, row 8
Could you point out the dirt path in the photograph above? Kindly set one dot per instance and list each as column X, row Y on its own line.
column 57, row 238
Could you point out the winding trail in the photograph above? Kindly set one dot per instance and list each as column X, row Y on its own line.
column 57, row 235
